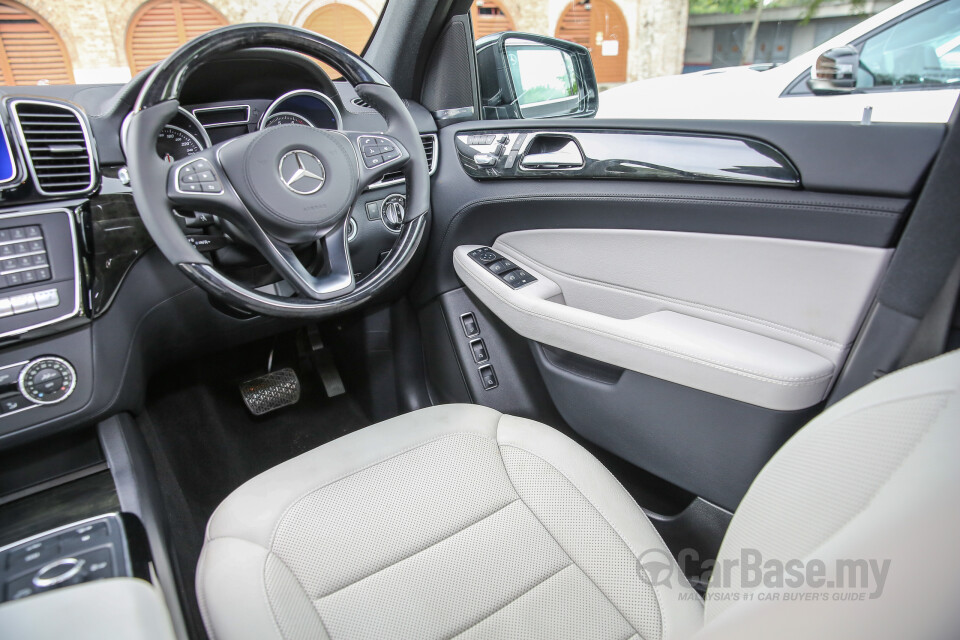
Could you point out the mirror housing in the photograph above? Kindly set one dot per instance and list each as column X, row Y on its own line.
column 835, row 71
column 524, row 75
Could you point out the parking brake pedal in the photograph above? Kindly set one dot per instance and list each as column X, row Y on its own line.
column 270, row 392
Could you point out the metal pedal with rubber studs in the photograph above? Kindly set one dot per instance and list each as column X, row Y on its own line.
column 270, row 392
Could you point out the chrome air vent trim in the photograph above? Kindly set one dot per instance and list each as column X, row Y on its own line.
column 46, row 171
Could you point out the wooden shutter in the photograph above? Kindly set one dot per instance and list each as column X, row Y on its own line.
column 489, row 16
column 160, row 26
column 590, row 27
column 342, row 23
column 30, row 51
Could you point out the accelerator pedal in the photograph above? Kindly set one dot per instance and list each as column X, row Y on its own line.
column 270, row 392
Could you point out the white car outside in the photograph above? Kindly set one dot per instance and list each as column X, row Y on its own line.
column 780, row 93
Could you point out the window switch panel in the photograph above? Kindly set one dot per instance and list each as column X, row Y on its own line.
column 517, row 278
column 501, row 266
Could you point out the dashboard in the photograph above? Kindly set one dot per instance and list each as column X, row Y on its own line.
column 89, row 308
column 195, row 127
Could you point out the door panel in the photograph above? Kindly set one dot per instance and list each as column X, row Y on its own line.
column 785, row 300
column 688, row 327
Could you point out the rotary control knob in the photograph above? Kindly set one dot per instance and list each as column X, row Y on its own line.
column 48, row 380
column 392, row 210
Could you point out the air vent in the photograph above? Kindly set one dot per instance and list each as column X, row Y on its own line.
column 58, row 147
column 363, row 104
column 396, row 177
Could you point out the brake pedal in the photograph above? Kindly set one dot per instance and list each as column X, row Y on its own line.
column 271, row 391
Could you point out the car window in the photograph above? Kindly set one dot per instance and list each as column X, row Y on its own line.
column 922, row 50
column 40, row 45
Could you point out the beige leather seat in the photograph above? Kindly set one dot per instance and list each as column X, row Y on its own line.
column 458, row 521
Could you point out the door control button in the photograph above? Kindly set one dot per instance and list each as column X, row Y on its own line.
column 488, row 377
column 470, row 326
column 479, row 350
column 501, row 266
column 484, row 255
column 518, row 278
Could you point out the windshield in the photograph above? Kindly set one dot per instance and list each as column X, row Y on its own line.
column 103, row 41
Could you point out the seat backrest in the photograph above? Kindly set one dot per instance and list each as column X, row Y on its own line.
column 868, row 494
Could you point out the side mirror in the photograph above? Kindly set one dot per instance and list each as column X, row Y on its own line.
column 835, row 71
column 523, row 75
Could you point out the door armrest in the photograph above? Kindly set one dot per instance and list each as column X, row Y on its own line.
column 697, row 353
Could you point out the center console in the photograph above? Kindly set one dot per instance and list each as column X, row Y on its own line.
column 80, row 552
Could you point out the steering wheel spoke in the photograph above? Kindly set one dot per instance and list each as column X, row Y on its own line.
column 336, row 276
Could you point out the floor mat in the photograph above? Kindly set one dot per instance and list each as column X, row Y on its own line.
column 205, row 443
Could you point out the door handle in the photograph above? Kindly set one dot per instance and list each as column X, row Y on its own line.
column 566, row 157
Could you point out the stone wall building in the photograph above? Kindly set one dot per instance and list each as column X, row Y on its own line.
column 99, row 41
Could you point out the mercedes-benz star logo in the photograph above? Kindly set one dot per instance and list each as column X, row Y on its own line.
column 302, row 172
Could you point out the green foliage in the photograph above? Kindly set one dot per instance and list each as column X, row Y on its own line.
column 722, row 6
column 743, row 6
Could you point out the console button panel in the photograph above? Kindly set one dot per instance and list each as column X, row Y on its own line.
column 80, row 552
column 39, row 270
column 23, row 256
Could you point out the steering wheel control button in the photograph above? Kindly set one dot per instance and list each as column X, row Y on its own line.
column 488, row 377
column 469, row 323
column 47, row 380
column 58, row 572
column 198, row 177
column 376, row 150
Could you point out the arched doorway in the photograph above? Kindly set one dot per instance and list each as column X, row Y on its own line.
column 31, row 52
column 160, row 26
column 598, row 25
column 489, row 16
column 342, row 23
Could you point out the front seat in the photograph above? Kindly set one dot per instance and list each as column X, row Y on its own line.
column 459, row 521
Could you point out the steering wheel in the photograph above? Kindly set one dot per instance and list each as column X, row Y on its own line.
column 283, row 186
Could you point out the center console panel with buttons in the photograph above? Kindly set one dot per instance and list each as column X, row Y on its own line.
column 39, row 271
column 80, row 552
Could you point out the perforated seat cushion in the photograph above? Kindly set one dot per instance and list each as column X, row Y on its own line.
column 454, row 521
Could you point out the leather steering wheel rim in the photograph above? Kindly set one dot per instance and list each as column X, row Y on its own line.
column 335, row 290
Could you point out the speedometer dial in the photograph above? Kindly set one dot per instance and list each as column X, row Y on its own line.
column 286, row 117
column 174, row 144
